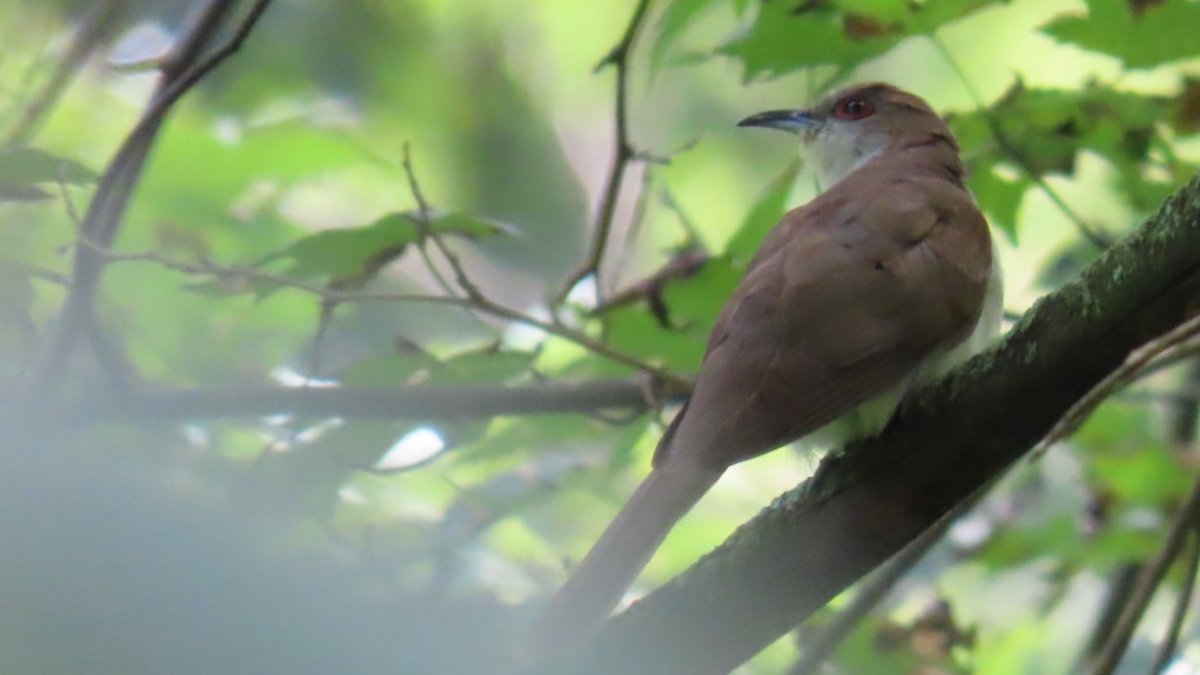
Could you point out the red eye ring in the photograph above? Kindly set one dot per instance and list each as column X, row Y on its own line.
column 853, row 109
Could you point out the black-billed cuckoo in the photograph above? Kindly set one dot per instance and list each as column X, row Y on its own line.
column 885, row 280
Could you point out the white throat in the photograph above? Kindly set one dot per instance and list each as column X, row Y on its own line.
column 835, row 151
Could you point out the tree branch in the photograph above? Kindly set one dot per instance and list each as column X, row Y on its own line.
column 1147, row 583
column 1169, row 647
column 948, row 440
column 818, row 649
column 182, row 70
column 334, row 296
column 623, row 154
column 420, row 402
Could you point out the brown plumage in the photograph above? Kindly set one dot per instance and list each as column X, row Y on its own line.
column 874, row 284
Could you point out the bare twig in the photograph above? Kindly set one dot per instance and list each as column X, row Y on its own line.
column 93, row 30
column 685, row 263
column 429, row 234
column 35, row 272
column 197, row 38
column 1182, row 339
column 1121, row 582
column 478, row 300
column 636, row 221
column 1148, row 581
column 624, row 153
column 1166, row 650
column 335, row 296
column 1098, row 239
column 818, row 649
column 182, row 71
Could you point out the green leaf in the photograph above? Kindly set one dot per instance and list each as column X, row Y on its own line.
column 634, row 331
column 1142, row 35
column 781, row 41
column 999, row 196
column 695, row 302
column 1149, row 476
column 692, row 306
column 788, row 36
column 1042, row 130
column 513, row 442
column 344, row 253
column 485, row 365
column 388, row 370
column 413, row 364
column 26, row 166
column 674, row 21
column 1061, row 538
column 1115, row 546
column 879, row 645
column 764, row 214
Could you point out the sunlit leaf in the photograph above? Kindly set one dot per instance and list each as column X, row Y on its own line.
column 342, row 253
column 788, row 36
column 1143, row 35
column 1041, row 131
column 694, row 302
column 999, row 196
column 675, row 19
column 1150, row 476
column 635, row 331
column 26, row 166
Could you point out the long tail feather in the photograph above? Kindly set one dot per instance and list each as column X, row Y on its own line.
column 598, row 583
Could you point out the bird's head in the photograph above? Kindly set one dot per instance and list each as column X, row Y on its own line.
column 848, row 128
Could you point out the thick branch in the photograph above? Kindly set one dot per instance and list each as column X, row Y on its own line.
column 950, row 440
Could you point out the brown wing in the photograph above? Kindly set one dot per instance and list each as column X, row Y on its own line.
column 844, row 299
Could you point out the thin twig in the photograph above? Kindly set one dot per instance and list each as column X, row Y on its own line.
column 35, row 272
column 425, row 225
column 423, row 221
column 1096, row 238
column 1185, row 522
column 623, row 154
column 1166, row 650
column 636, row 221
column 1182, row 338
column 108, row 205
column 1121, row 582
column 197, row 38
column 334, row 296
column 818, row 649
column 312, row 370
column 481, row 302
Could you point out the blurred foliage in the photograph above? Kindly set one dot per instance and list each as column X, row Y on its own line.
column 284, row 178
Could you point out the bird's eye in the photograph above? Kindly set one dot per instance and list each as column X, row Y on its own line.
column 853, row 109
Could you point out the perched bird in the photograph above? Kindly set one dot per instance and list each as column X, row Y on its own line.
column 885, row 280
